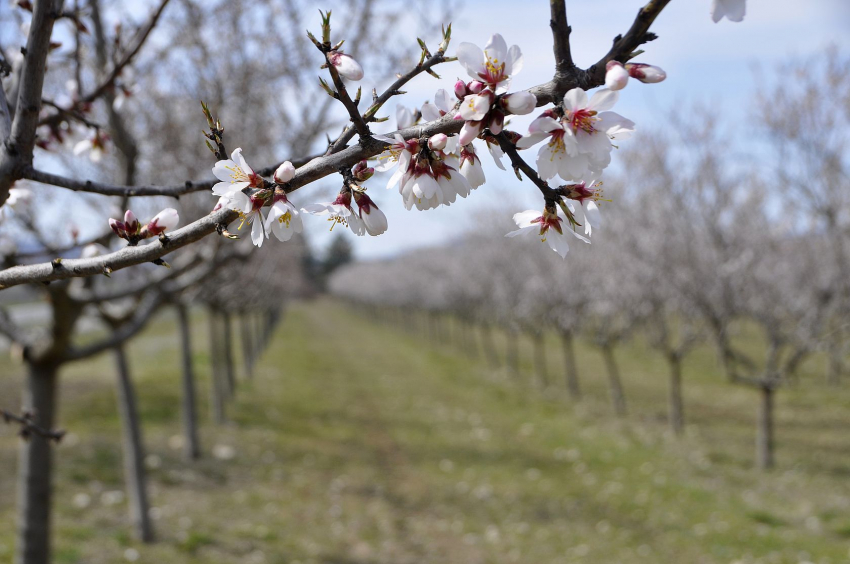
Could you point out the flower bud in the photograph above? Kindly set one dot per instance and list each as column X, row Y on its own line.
column 284, row 173
column 461, row 91
column 475, row 87
column 117, row 227
column 374, row 219
column 520, row 103
column 616, row 76
column 131, row 224
column 163, row 221
column 362, row 171
column 438, row 142
column 646, row 73
column 346, row 65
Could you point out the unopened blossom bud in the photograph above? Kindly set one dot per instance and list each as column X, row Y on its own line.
column 163, row 221
column 616, row 75
column 438, row 142
column 117, row 227
column 284, row 173
column 362, row 171
column 520, row 103
column 461, row 90
column 475, row 87
column 646, row 73
column 373, row 218
column 346, row 65
column 131, row 224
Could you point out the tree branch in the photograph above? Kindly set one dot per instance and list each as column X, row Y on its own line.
column 28, row 426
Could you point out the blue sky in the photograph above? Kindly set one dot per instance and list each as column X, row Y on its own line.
column 706, row 63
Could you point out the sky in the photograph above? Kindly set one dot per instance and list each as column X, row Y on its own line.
column 707, row 63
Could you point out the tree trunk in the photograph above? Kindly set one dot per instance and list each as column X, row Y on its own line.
column 676, row 405
column 489, row 346
column 764, row 436
column 36, row 468
column 540, row 368
column 216, row 383
column 227, row 344
column 570, row 370
column 134, row 452
column 191, row 445
column 835, row 362
column 247, row 347
column 615, row 385
column 512, row 353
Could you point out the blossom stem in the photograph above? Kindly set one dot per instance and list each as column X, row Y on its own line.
column 550, row 194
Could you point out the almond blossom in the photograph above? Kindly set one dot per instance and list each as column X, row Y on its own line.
column 547, row 226
column 283, row 220
column 470, row 166
column 586, row 194
column 732, row 10
column 617, row 74
column 235, row 175
column 580, row 141
column 338, row 211
column 442, row 105
column 495, row 65
column 161, row 222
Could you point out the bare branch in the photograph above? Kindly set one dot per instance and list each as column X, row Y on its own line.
column 29, row 428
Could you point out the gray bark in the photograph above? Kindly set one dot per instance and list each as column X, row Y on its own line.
column 570, row 370
column 247, row 346
column 764, row 435
column 191, row 445
column 227, row 344
column 676, row 404
column 36, row 468
column 540, row 367
column 134, row 452
column 217, row 390
column 615, row 384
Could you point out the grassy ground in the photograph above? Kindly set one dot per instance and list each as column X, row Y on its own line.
column 357, row 443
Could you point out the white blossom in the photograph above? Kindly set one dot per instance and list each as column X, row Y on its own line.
column 548, row 226
column 283, row 220
column 495, row 65
column 732, row 10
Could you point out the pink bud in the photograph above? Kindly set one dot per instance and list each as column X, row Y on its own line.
column 362, row 171
column 346, row 65
column 475, row 86
column 520, row 103
column 118, row 228
column 163, row 221
column 616, row 76
column 131, row 224
column 646, row 73
column 461, row 91
column 438, row 142
column 284, row 173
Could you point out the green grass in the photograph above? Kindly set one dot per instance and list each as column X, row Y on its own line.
column 358, row 443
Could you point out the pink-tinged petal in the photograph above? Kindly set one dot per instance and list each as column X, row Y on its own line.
column 443, row 100
column 471, row 57
column 497, row 48
column 469, row 131
column 603, row 100
column 521, row 230
column 515, row 61
column 237, row 156
column 527, row 141
column 558, row 243
column 544, row 124
column 430, row 112
column 223, row 170
column 575, row 99
column 615, row 126
column 527, row 218
column 257, row 231
column 227, row 188
column 547, row 162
